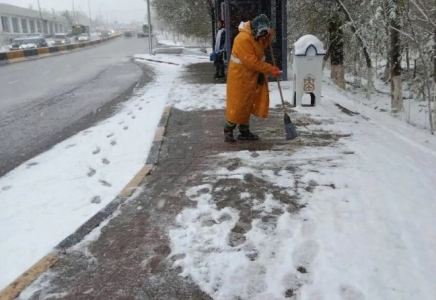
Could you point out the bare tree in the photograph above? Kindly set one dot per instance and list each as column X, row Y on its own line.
column 190, row 17
column 363, row 45
column 420, row 16
column 66, row 14
column 394, row 12
column 336, row 50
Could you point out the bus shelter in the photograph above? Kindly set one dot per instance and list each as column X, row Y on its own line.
column 233, row 12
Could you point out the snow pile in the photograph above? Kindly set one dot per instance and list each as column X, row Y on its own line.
column 301, row 45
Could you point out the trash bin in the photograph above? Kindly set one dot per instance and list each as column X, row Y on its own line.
column 308, row 58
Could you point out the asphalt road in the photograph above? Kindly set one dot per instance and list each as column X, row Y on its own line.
column 45, row 101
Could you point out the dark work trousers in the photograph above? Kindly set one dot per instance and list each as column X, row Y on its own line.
column 219, row 65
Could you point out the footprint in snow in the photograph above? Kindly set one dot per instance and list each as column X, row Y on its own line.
column 304, row 255
column 105, row 161
column 140, row 108
column 105, row 183
column 31, row 164
column 96, row 200
column 91, row 172
column 96, row 151
column 129, row 113
column 70, row 146
column 292, row 284
column 126, row 127
column 7, row 187
column 349, row 292
column 110, row 135
column 113, row 143
column 133, row 117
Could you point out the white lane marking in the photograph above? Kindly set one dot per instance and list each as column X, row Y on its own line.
column 13, row 82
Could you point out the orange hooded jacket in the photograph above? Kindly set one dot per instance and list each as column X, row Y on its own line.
column 244, row 95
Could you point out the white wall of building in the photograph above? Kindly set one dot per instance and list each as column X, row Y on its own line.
column 18, row 21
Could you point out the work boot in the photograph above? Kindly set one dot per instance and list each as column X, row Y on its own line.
column 246, row 134
column 228, row 135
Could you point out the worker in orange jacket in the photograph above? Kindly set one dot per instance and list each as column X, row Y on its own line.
column 247, row 84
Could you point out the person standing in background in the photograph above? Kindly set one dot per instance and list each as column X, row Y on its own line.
column 219, row 51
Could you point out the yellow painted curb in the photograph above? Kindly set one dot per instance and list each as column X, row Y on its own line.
column 16, row 287
column 62, row 48
column 43, row 51
column 135, row 182
column 15, row 54
column 158, row 136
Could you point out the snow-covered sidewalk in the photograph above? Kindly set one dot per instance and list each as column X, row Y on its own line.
column 351, row 218
column 365, row 230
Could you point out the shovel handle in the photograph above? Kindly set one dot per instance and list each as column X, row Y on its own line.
column 277, row 78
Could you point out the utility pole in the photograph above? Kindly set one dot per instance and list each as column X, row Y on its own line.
column 99, row 15
column 74, row 12
column 42, row 20
column 90, row 18
column 150, row 36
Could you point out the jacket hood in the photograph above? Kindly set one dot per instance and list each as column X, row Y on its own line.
column 259, row 24
column 245, row 27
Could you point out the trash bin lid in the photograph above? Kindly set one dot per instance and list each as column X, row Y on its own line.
column 304, row 43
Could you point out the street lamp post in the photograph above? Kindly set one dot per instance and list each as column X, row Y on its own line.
column 99, row 15
column 90, row 17
column 42, row 20
column 74, row 12
column 150, row 37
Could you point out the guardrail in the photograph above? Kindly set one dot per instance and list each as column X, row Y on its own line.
column 23, row 55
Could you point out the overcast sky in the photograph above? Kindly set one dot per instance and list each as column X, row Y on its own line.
column 124, row 11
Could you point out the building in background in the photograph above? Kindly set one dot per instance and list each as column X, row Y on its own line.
column 19, row 21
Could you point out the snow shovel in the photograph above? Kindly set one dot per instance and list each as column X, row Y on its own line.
column 291, row 132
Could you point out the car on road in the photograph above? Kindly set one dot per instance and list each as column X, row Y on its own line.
column 28, row 43
column 16, row 44
column 84, row 37
column 60, row 39
column 105, row 34
column 128, row 34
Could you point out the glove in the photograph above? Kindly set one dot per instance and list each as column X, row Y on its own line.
column 217, row 51
column 275, row 71
column 271, row 32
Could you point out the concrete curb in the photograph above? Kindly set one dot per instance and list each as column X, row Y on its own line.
column 159, row 61
column 18, row 285
column 22, row 282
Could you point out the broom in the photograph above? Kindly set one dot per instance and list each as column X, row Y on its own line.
column 291, row 132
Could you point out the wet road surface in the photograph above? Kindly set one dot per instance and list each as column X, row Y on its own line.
column 45, row 101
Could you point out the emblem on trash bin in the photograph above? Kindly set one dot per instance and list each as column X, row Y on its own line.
column 309, row 83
